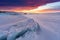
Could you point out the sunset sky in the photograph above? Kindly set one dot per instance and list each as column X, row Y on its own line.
column 19, row 5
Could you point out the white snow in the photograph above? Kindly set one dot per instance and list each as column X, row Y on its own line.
column 49, row 25
column 30, row 27
column 18, row 27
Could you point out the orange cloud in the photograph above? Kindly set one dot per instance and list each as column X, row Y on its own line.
column 48, row 11
column 16, row 9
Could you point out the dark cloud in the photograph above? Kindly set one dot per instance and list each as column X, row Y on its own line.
column 25, row 2
column 16, row 2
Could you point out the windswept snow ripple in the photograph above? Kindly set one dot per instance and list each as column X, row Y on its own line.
column 18, row 27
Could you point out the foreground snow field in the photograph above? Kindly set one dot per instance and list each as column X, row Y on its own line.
column 30, row 26
column 18, row 27
column 49, row 25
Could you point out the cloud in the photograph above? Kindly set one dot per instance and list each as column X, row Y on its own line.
column 25, row 2
column 51, row 6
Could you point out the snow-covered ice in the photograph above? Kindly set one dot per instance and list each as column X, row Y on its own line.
column 18, row 27
column 30, row 27
column 49, row 25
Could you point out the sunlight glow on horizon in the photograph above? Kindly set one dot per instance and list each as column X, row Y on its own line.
column 50, row 7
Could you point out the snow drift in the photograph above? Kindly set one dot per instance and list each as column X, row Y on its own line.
column 49, row 25
column 18, row 27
